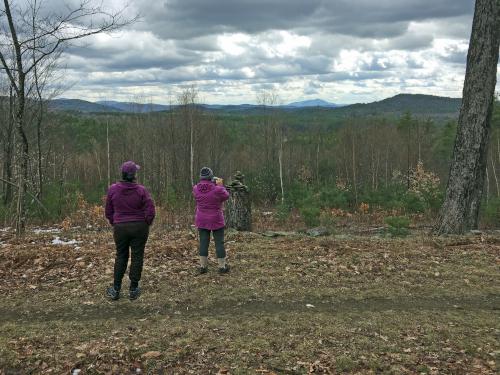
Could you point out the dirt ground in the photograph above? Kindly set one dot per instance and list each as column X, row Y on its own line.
column 292, row 304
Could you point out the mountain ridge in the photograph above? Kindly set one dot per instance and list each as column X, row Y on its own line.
column 400, row 103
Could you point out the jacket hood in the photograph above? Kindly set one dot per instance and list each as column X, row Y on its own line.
column 205, row 186
column 126, row 187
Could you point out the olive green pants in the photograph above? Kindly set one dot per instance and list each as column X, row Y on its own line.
column 218, row 239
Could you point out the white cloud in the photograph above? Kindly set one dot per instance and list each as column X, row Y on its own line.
column 340, row 50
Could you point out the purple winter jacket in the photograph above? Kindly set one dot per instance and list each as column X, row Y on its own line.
column 129, row 201
column 209, row 198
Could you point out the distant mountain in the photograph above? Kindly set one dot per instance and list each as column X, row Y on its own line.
column 414, row 103
column 417, row 104
column 232, row 107
column 312, row 103
column 134, row 107
column 229, row 106
column 77, row 105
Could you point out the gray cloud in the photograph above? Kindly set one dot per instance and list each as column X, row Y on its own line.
column 184, row 19
column 229, row 48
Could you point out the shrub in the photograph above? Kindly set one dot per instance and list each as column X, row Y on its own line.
column 85, row 214
column 332, row 197
column 169, row 198
column 413, row 203
column 299, row 195
column 398, row 225
column 311, row 215
column 283, row 212
column 265, row 186
column 60, row 199
column 424, row 185
column 328, row 219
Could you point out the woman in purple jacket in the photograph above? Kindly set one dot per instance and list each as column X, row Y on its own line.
column 209, row 196
column 130, row 210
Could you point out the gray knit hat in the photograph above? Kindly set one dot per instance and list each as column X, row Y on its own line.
column 206, row 173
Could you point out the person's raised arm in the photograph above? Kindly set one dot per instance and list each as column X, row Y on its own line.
column 222, row 193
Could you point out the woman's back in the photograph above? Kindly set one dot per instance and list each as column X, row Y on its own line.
column 209, row 198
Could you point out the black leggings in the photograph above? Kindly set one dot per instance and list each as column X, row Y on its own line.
column 205, row 241
column 133, row 235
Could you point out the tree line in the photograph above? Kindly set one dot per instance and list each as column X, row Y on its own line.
column 341, row 164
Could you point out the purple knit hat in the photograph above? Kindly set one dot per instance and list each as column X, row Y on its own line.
column 130, row 168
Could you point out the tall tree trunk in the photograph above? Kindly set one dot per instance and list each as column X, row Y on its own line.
column 408, row 158
column 280, row 161
column 39, row 151
column 354, row 181
column 317, row 163
column 191, row 146
column 387, row 167
column 108, row 156
column 23, row 168
column 9, row 151
column 487, row 186
column 460, row 210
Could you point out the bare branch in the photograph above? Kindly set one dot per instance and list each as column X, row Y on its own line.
column 13, row 34
column 9, row 73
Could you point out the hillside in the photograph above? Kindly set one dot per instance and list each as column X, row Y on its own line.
column 414, row 103
column 77, row 105
column 134, row 107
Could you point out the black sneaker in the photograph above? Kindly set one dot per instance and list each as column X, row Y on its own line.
column 202, row 270
column 112, row 293
column 224, row 270
column 134, row 293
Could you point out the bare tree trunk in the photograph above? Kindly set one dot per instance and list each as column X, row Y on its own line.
column 19, row 121
column 97, row 160
column 23, row 175
column 373, row 168
column 460, row 210
column 408, row 167
column 280, row 160
column 108, row 153
column 39, row 120
column 354, row 182
column 191, row 147
column 317, row 163
column 7, row 163
column 498, row 148
column 487, row 186
column 39, row 151
column 419, row 142
column 387, row 167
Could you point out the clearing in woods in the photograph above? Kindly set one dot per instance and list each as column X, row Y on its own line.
column 291, row 305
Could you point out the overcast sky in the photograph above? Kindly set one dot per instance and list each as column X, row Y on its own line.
column 343, row 51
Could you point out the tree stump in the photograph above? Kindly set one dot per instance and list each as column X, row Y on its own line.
column 238, row 209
